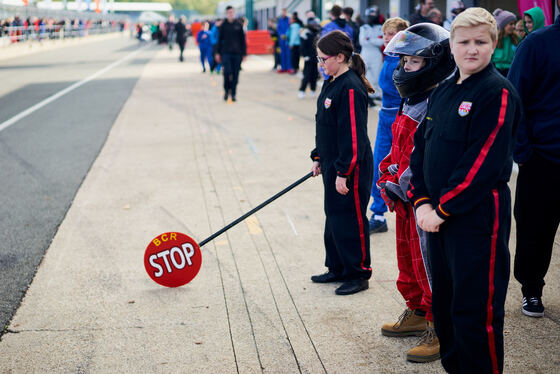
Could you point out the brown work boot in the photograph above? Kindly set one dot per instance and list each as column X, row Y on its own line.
column 408, row 324
column 427, row 349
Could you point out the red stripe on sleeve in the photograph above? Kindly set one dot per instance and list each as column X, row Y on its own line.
column 481, row 156
column 354, row 136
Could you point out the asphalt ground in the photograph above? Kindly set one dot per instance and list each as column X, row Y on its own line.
column 45, row 156
column 178, row 158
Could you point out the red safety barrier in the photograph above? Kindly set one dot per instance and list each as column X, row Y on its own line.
column 259, row 42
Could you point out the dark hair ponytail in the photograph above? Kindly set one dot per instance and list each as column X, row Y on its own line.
column 336, row 42
column 359, row 66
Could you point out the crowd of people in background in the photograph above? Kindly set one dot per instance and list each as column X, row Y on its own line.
column 19, row 29
column 221, row 43
column 288, row 31
column 293, row 41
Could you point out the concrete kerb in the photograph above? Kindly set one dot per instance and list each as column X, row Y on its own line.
column 180, row 158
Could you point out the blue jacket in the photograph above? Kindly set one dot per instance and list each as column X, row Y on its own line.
column 214, row 34
column 203, row 39
column 536, row 76
column 338, row 24
column 390, row 98
column 293, row 34
column 283, row 25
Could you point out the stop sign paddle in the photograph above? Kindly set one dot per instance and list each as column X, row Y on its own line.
column 173, row 259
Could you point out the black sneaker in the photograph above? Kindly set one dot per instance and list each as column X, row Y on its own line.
column 328, row 277
column 533, row 307
column 376, row 225
column 352, row 286
column 225, row 96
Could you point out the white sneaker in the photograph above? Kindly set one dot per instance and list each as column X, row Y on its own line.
column 301, row 94
column 312, row 94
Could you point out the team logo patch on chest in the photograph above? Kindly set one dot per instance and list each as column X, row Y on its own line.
column 327, row 103
column 465, row 108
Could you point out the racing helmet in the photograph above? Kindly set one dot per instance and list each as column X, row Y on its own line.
column 373, row 16
column 426, row 40
column 372, row 11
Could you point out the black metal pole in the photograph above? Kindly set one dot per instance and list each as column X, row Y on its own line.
column 295, row 184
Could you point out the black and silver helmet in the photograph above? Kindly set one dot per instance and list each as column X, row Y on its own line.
column 373, row 16
column 426, row 40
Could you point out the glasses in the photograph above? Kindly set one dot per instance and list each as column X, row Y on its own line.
column 322, row 60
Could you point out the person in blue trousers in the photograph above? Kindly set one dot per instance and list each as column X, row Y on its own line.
column 282, row 29
column 390, row 106
column 205, row 46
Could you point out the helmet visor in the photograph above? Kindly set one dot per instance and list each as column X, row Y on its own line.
column 411, row 44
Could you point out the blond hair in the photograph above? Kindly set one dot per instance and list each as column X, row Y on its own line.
column 396, row 23
column 473, row 17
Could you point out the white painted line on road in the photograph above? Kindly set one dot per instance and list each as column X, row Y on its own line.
column 291, row 223
column 59, row 94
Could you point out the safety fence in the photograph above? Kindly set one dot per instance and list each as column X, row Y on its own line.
column 19, row 24
column 40, row 32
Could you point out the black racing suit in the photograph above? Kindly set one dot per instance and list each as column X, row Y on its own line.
column 343, row 149
column 461, row 164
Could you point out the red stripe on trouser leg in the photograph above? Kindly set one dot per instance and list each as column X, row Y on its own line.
column 359, row 215
column 489, row 307
column 412, row 282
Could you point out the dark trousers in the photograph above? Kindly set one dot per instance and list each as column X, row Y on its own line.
column 537, row 221
column 310, row 75
column 294, row 57
column 181, row 44
column 470, row 264
column 170, row 39
column 231, row 64
column 346, row 228
column 215, row 65
column 276, row 55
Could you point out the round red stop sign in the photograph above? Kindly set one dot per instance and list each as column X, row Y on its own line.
column 172, row 259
